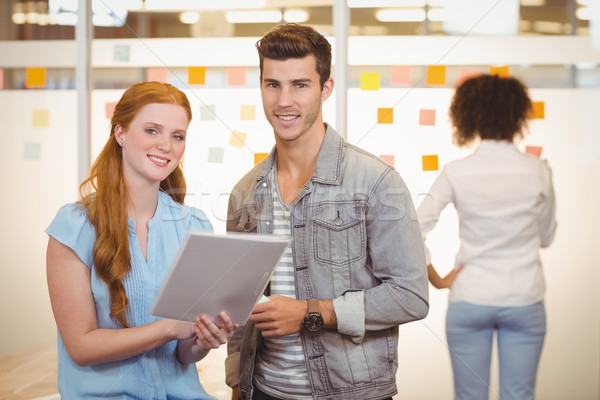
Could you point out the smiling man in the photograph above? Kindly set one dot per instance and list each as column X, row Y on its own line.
column 355, row 269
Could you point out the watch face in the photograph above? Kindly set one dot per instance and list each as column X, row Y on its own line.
column 313, row 322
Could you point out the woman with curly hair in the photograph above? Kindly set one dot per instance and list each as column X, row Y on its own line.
column 506, row 210
column 109, row 253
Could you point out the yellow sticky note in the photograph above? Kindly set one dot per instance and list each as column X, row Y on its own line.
column 430, row 162
column 158, row 74
column 248, row 112
column 35, row 77
column 388, row 159
column 385, row 115
column 258, row 157
column 369, row 80
column 236, row 76
column 401, row 75
column 40, row 118
column 197, row 75
column 435, row 75
column 502, row 72
column 237, row 139
column 537, row 110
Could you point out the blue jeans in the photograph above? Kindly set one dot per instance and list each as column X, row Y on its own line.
column 470, row 332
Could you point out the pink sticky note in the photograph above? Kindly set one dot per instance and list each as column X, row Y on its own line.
column 427, row 117
column 236, row 76
column 534, row 150
column 388, row 159
column 465, row 73
column 158, row 74
column 401, row 75
column 1, row 78
column 109, row 109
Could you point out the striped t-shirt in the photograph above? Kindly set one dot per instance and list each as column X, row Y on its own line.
column 280, row 369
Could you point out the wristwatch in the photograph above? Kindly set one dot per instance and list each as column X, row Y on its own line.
column 313, row 321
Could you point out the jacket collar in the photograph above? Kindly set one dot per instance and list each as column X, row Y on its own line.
column 329, row 160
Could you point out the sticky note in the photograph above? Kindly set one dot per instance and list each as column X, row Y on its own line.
column 537, row 110
column 385, row 115
column 465, row 73
column 534, row 150
column 430, row 163
column 427, row 117
column 207, row 112
column 258, row 157
column 237, row 139
column 158, row 74
column 435, row 75
column 369, row 80
column 35, row 77
column 32, row 151
column 236, row 76
column 121, row 52
column 215, row 155
column 40, row 118
column 197, row 75
column 401, row 75
column 109, row 110
column 1, row 78
column 248, row 112
column 503, row 71
column 388, row 159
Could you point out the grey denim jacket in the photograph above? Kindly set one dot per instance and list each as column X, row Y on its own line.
column 356, row 240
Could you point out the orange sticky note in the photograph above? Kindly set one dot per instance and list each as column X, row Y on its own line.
column 435, row 75
column 40, row 118
column 248, row 112
column 109, row 110
column 197, row 75
column 236, row 76
column 430, row 162
column 537, row 110
column 158, row 74
column 385, row 115
column 1, row 78
column 35, row 77
column 534, row 150
column 369, row 80
column 388, row 159
column 237, row 139
column 401, row 75
column 427, row 117
column 258, row 157
column 503, row 71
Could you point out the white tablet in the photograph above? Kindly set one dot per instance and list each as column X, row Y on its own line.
column 213, row 273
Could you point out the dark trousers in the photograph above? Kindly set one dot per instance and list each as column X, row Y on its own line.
column 258, row 395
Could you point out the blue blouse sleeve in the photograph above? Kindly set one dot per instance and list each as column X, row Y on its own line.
column 72, row 228
column 199, row 221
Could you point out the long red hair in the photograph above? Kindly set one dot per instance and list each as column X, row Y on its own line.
column 104, row 193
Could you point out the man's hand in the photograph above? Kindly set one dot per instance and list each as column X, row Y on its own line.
column 279, row 316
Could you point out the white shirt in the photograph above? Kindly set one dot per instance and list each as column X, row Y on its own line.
column 506, row 210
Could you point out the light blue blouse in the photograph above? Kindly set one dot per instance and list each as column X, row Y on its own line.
column 156, row 374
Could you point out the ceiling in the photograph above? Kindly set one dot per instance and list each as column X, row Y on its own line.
column 554, row 17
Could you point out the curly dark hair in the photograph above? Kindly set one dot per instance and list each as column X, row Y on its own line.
column 489, row 107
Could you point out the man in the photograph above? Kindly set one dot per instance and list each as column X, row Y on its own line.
column 355, row 269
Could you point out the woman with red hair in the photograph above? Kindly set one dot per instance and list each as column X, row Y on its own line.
column 109, row 253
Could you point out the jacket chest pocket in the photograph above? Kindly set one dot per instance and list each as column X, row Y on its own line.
column 247, row 221
column 339, row 233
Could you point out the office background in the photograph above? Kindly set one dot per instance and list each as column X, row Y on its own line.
column 400, row 79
